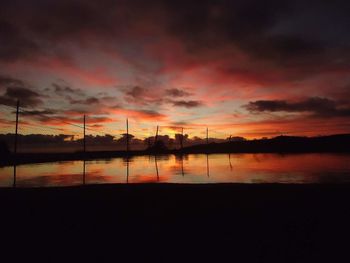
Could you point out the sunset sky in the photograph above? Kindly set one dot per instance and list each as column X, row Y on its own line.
column 241, row 68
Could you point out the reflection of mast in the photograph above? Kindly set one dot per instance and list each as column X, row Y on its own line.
column 127, row 170
column 84, row 170
column 155, row 162
column 229, row 160
column 14, row 174
column 182, row 165
column 207, row 165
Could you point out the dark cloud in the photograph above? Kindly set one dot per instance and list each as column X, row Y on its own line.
column 150, row 113
column 71, row 120
column 177, row 92
column 249, row 26
column 320, row 107
column 180, row 123
column 26, row 96
column 38, row 112
column 16, row 89
column 40, row 25
column 20, row 92
column 14, row 43
column 6, row 81
column 136, row 92
column 187, row 104
column 268, row 29
column 59, row 89
column 65, row 90
column 142, row 96
column 88, row 101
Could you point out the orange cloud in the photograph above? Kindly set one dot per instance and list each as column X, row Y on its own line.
column 146, row 115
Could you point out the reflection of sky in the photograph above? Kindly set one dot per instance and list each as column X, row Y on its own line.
column 221, row 168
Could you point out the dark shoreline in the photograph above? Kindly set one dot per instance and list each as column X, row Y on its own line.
column 279, row 145
column 32, row 158
column 178, row 222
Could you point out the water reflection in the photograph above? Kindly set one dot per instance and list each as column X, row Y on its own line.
column 182, row 166
column 180, row 159
column 156, row 164
column 198, row 168
column 14, row 174
column 229, row 160
column 84, row 172
column 127, row 170
column 207, row 164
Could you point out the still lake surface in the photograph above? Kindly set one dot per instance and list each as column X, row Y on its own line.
column 192, row 168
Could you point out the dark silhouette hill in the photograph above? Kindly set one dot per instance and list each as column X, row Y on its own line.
column 332, row 143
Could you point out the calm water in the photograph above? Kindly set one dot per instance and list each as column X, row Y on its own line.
column 193, row 168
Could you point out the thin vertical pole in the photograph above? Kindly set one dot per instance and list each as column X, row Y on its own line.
column 156, row 138
column 84, row 134
column 207, row 136
column 84, row 164
column 15, row 147
column 16, row 133
column 127, row 135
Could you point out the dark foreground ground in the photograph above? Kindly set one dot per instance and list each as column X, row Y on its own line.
column 176, row 223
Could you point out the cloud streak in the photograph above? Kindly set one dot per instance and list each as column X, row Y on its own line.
column 320, row 107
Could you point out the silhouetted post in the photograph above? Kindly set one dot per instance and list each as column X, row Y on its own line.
column 207, row 136
column 156, row 138
column 84, row 140
column 127, row 135
column 15, row 146
column 16, row 133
